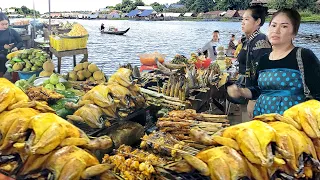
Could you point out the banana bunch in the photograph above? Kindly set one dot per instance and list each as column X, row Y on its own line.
column 78, row 30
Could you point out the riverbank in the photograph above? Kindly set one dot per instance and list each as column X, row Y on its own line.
column 305, row 18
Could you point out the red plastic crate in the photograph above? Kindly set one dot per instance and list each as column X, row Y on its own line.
column 203, row 64
column 147, row 68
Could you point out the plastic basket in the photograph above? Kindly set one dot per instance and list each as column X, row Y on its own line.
column 27, row 75
column 145, row 68
column 65, row 44
column 149, row 59
column 203, row 64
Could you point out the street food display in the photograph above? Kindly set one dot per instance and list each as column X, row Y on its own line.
column 144, row 125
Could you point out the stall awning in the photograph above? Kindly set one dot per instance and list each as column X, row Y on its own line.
column 133, row 13
column 146, row 13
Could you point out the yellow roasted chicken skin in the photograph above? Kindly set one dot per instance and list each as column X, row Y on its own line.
column 51, row 131
column 67, row 163
column 123, row 76
column 225, row 163
column 10, row 94
column 247, row 138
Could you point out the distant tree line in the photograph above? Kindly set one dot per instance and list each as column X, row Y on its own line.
column 211, row 5
column 25, row 11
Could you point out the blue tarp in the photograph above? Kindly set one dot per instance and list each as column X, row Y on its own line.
column 146, row 13
column 133, row 13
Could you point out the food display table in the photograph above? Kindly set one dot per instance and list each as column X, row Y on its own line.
column 61, row 54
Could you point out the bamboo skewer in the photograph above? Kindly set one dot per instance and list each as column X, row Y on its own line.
column 174, row 119
column 213, row 116
column 160, row 95
column 179, row 150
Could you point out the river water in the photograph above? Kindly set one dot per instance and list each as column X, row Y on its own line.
column 167, row 37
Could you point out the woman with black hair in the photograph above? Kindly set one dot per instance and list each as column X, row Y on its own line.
column 10, row 41
column 288, row 75
column 254, row 45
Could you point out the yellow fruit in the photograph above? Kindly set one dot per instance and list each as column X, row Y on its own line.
column 85, row 65
column 98, row 75
column 93, row 68
column 80, row 75
column 91, row 79
column 78, row 30
column 73, row 76
column 86, row 73
column 78, row 67
column 45, row 73
column 48, row 66
column 17, row 67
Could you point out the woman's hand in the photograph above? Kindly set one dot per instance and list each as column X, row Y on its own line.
column 250, row 108
column 14, row 49
column 234, row 91
column 8, row 46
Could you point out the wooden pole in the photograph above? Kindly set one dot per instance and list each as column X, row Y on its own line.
column 49, row 17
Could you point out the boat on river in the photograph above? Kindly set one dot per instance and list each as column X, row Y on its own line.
column 115, row 32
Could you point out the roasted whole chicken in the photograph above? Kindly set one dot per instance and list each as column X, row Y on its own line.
column 225, row 163
column 99, row 95
column 298, row 145
column 14, row 125
column 50, row 131
column 10, row 94
column 247, row 138
column 89, row 114
column 67, row 163
column 307, row 115
column 123, row 76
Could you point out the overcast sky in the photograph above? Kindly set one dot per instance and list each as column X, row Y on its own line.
column 70, row 5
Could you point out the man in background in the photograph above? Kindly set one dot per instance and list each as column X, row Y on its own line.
column 209, row 49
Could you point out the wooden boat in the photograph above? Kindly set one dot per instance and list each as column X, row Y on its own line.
column 115, row 32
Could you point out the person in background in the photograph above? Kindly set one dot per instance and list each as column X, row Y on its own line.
column 102, row 27
column 209, row 49
column 239, row 46
column 232, row 45
column 288, row 75
column 254, row 45
column 10, row 41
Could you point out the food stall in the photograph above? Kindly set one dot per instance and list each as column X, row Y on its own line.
column 83, row 125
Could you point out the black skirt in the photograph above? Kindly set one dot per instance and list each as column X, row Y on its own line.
column 3, row 60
